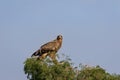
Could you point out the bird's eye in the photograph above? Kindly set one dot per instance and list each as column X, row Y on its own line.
column 59, row 37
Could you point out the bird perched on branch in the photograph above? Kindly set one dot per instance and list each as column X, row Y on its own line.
column 49, row 49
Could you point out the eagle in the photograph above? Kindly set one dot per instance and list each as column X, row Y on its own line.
column 49, row 49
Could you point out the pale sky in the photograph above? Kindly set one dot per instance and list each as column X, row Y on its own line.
column 90, row 29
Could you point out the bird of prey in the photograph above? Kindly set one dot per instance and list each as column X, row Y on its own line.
column 49, row 49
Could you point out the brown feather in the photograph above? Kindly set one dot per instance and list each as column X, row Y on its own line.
column 49, row 48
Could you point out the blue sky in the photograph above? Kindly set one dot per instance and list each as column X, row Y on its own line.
column 90, row 30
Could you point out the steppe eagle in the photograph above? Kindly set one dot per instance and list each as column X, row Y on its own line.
column 49, row 49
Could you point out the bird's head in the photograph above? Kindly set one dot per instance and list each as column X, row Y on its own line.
column 59, row 37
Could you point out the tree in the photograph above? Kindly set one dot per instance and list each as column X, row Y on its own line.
column 46, row 69
column 95, row 73
column 91, row 73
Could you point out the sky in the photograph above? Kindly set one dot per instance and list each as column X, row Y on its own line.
column 90, row 29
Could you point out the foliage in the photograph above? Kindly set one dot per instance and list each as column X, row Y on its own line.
column 92, row 73
column 48, row 70
column 95, row 73
column 63, row 70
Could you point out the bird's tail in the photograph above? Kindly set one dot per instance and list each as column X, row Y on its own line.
column 36, row 53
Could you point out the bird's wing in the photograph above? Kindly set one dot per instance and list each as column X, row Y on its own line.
column 50, row 46
column 36, row 53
